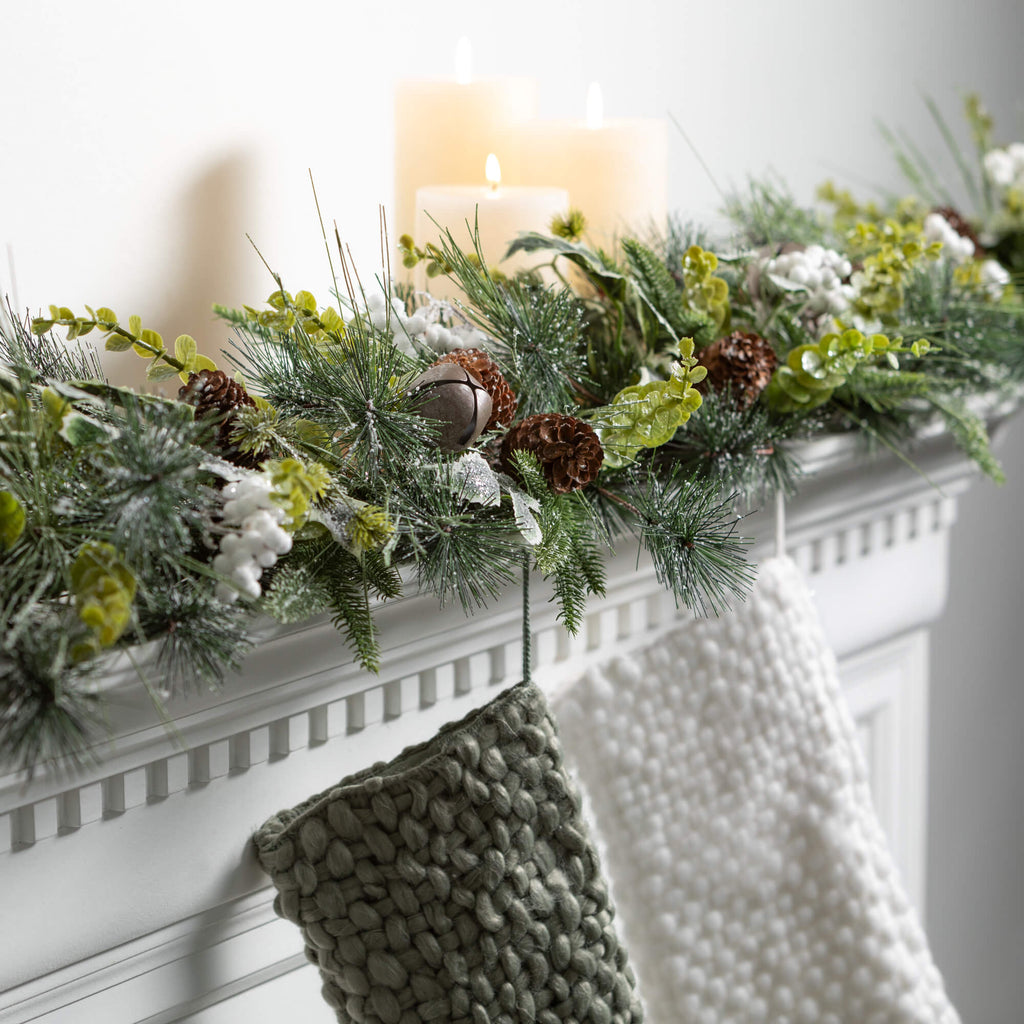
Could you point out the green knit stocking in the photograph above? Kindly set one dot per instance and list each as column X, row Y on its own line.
column 456, row 884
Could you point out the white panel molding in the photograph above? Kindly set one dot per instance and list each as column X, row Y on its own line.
column 886, row 688
column 160, row 977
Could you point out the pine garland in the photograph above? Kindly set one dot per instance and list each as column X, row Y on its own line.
column 122, row 523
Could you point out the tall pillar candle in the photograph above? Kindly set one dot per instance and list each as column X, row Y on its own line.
column 444, row 131
column 616, row 170
column 500, row 213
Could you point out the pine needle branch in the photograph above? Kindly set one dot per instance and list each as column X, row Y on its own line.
column 692, row 538
column 740, row 450
column 569, row 553
column 537, row 330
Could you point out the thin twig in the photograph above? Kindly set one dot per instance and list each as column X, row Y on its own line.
column 323, row 231
column 619, row 501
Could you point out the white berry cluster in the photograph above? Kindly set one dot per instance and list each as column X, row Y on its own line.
column 817, row 271
column 956, row 248
column 993, row 278
column 431, row 325
column 1004, row 168
column 256, row 539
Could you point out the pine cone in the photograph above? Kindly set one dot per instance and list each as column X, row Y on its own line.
column 479, row 363
column 214, row 394
column 743, row 360
column 568, row 449
column 962, row 227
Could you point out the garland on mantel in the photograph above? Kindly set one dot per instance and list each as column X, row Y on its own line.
column 651, row 392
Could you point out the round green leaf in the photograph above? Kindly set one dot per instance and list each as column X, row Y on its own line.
column 12, row 520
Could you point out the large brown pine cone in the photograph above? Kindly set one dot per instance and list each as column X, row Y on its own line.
column 744, row 360
column 214, row 394
column 962, row 227
column 479, row 363
column 568, row 449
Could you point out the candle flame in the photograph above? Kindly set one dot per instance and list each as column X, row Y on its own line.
column 492, row 171
column 595, row 106
column 463, row 61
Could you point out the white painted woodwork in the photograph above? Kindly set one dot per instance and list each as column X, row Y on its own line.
column 130, row 892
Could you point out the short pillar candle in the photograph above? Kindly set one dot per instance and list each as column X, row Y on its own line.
column 500, row 212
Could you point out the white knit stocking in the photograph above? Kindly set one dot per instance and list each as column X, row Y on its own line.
column 751, row 874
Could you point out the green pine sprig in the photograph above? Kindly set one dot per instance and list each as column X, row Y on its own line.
column 570, row 550
column 537, row 330
column 356, row 394
column 321, row 576
column 46, row 355
column 690, row 530
column 742, row 450
column 460, row 551
column 767, row 214
column 50, row 714
column 200, row 639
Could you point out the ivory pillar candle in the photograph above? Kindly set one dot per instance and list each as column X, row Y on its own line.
column 445, row 129
column 616, row 170
column 500, row 211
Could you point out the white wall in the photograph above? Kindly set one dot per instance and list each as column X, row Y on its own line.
column 140, row 142
column 976, row 808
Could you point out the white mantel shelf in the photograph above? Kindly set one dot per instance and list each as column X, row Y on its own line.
column 130, row 892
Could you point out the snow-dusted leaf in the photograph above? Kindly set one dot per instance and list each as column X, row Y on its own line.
column 225, row 470
column 334, row 520
column 786, row 284
column 523, row 507
column 476, row 480
column 78, row 429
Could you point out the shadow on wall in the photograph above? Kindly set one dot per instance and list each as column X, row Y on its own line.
column 210, row 261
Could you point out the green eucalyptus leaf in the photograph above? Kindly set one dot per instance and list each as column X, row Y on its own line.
column 55, row 404
column 161, row 371
column 309, row 432
column 12, row 520
column 809, row 360
column 185, row 350
column 275, row 321
column 332, row 320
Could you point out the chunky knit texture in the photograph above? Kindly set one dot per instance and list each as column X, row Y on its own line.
column 456, row 884
column 752, row 876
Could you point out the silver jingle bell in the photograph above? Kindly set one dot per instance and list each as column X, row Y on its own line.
column 455, row 398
